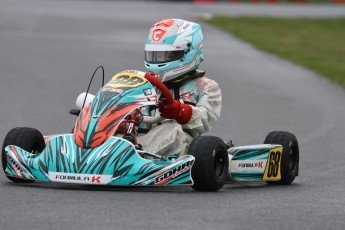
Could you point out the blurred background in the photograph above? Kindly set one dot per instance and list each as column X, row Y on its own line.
column 259, row 1
column 280, row 65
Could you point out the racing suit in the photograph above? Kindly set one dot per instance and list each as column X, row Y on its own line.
column 169, row 137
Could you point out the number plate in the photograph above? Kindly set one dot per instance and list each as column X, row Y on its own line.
column 272, row 170
column 126, row 80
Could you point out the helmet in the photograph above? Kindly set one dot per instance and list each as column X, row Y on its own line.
column 173, row 48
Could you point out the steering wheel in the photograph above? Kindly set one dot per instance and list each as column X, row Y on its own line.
column 155, row 82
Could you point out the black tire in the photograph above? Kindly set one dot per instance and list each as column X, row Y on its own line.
column 210, row 169
column 290, row 155
column 29, row 139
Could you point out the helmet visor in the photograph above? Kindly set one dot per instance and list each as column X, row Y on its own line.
column 163, row 56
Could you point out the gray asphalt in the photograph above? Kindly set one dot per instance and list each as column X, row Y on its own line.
column 48, row 51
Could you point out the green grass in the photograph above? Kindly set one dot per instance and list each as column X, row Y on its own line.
column 318, row 44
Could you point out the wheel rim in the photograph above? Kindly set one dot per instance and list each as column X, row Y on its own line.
column 219, row 164
column 292, row 157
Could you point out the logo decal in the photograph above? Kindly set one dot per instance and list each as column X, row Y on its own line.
column 96, row 179
column 250, row 165
column 147, row 92
column 240, row 166
column 79, row 178
column 157, row 35
column 165, row 177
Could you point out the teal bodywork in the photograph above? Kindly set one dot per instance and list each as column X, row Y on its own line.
column 248, row 163
column 116, row 162
column 93, row 154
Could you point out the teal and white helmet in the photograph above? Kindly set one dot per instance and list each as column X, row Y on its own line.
column 173, row 48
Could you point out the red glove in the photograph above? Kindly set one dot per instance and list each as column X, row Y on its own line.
column 182, row 113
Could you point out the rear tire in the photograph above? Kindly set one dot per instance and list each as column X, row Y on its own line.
column 209, row 171
column 290, row 155
column 29, row 139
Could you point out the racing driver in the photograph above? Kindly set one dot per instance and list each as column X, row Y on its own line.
column 173, row 52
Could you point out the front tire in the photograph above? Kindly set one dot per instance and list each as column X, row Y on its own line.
column 29, row 139
column 290, row 155
column 209, row 171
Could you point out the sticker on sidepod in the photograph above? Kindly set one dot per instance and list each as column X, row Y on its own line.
column 79, row 178
column 174, row 172
column 257, row 166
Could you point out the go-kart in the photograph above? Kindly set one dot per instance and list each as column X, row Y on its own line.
column 95, row 153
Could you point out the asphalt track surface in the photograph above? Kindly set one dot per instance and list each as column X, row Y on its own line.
column 48, row 51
